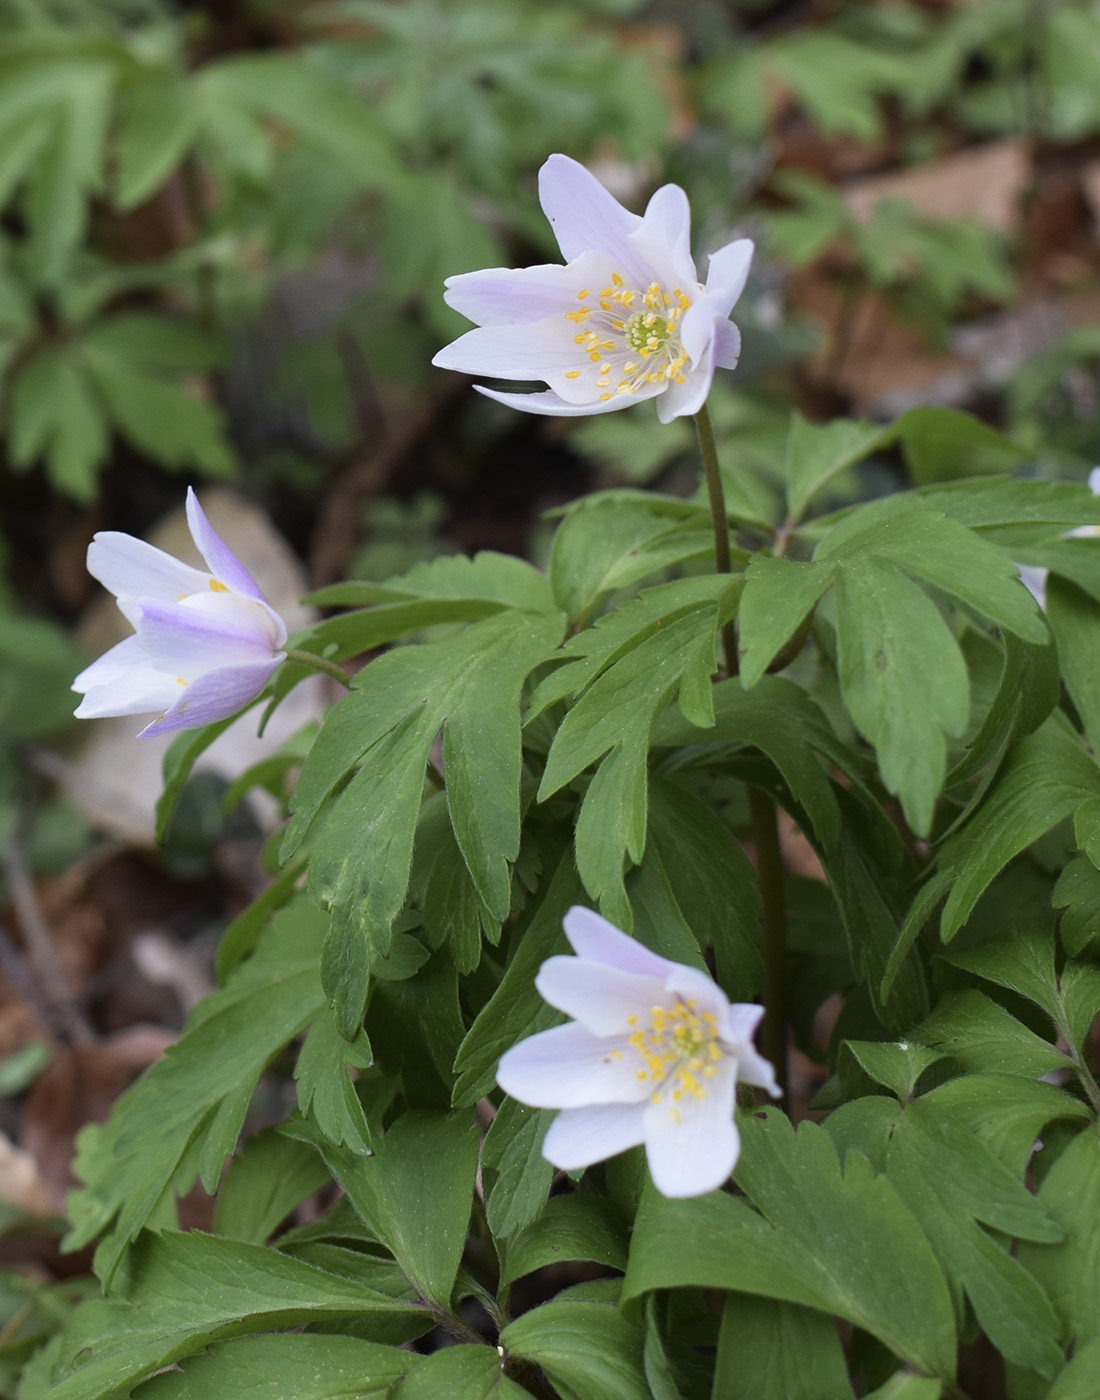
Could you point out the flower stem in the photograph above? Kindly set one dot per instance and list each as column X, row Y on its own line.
column 318, row 663
column 704, row 432
column 773, row 942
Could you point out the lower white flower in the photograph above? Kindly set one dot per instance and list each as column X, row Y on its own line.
column 653, row 1055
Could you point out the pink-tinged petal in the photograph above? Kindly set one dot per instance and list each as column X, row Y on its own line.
column 728, row 271
column 213, row 696
column 582, row 213
column 752, row 1068
column 204, row 632
column 727, row 345
column 692, row 1144
column 595, row 938
column 580, row 1136
column 551, row 405
column 569, row 1067
column 687, row 398
column 663, row 242
column 220, row 559
column 123, row 682
column 507, row 296
column 130, row 568
column 600, row 997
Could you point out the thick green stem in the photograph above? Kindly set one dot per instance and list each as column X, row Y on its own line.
column 318, row 663
column 704, row 431
column 773, row 942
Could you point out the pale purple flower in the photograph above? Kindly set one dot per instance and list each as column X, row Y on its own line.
column 205, row 644
column 653, row 1056
column 625, row 319
column 1034, row 576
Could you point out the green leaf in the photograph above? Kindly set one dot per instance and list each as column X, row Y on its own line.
column 1075, row 620
column 200, row 1091
column 903, row 1385
column 1069, row 1272
column 179, row 759
column 1023, row 962
column 1043, row 779
column 1078, row 893
column 415, row 1194
column 1006, row 1113
column 570, row 1227
column 987, row 1039
column 306, row 1366
column 54, row 413
column 778, row 596
column 182, row 1292
column 896, row 1064
column 950, row 1182
column 515, row 1009
column 1078, row 1380
column 516, row 1173
column 462, row 1372
column 818, row 452
column 268, row 1178
column 903, row 679
column 469, row 684
column 944, row 443
column 588, row 1350
column 157, row 124
column 325, row 1090
column 771, row 1350
column 487, row 577
column 843, row 1244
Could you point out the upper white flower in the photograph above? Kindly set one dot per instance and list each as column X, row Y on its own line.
column 653, row 1055
column 205, row 644
column 625, row 319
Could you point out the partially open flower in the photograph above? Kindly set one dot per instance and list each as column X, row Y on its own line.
column 653, row 1056
column 625, row 319
column 205, row 644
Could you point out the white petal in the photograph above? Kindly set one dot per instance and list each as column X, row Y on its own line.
column 1034, row 579
column 727, row 345
column 124, row 683
column 728, row 271
column 505, row 296
column 1094, row 481
column 740, row 1022
column 664, row 240
column 582, row 213
column 220, row 559
column 568, row 1067
column 551, row 405
column 697, row 327
column 690, row 984
column 531, row 351
column 594, row 937
column 580, row 1136
column 752, row 1068
column 600, row 997
column 687, row 398
column 203, row 632
column 130, row 568
column 695, row 1154
column 216, row 695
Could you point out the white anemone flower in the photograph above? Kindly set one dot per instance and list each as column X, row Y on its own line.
column 205, row 644
column 1034, row 576
column 652, row 1056
column 625, row 319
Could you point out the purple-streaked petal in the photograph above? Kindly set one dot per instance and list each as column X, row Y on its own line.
column 687, row 398
column 568, row 1067
column 215, row 695
column 123, row 682
column 727, row 345
column 130, row 568
column 506, row 296
column 692, row 1144
column 203, row 632
column 728, row 271
column 663, row 241
column 595, row 938
column 600, row 997
column 551, row 405
column 580, row 1136
column 582, row 213
column 220, row 559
